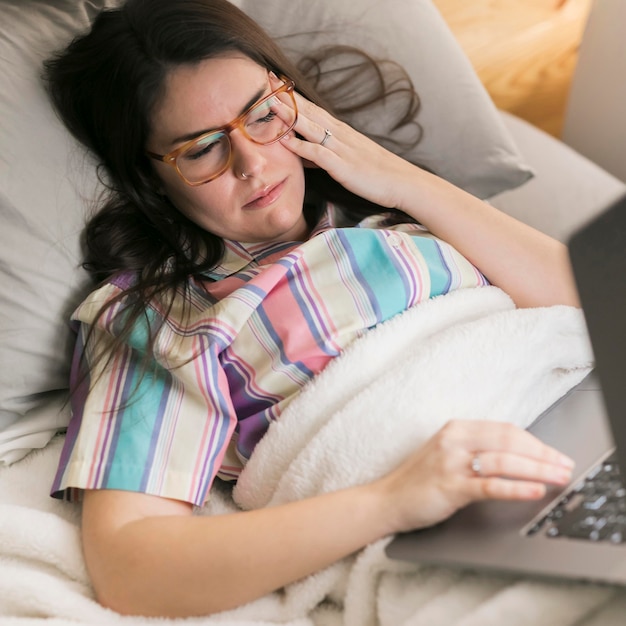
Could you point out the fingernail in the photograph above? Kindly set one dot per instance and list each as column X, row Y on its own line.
column 566, row 461
column 564, row 475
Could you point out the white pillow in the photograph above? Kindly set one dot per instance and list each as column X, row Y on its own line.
column 47, row 184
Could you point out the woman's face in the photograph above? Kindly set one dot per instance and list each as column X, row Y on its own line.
column 260, row 196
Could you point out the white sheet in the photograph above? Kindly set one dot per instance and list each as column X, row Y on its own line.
column 467, row 354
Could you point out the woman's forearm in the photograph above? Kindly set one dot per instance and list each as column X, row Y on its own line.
column 148, row 555
column 530, row 266
column 179, row 565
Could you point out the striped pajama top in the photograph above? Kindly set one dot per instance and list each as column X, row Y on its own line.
column 234, row 352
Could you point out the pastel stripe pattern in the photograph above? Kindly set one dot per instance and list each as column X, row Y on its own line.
column 236, row 349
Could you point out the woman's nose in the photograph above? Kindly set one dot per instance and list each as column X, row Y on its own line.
column 248, row 157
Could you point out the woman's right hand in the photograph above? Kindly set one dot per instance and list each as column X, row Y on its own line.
column 148, row 555
column 438, row 479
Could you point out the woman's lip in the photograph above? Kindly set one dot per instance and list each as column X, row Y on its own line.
column 265, row 196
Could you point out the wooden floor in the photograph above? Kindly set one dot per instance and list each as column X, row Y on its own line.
column 524, row 51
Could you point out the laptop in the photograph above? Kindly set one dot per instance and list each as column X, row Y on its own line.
column 578, row 532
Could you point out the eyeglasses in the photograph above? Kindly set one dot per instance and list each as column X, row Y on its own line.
column 208, row 156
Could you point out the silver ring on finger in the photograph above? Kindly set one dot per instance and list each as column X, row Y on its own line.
column 327, row 136
column 475, row 465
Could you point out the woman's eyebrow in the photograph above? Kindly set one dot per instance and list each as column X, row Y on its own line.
column 193, row 135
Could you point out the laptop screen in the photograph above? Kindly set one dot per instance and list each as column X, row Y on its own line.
column 598, row 257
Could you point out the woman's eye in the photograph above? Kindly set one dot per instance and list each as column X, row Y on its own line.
column 267, row 118
column 263, row 114
column 200, row 151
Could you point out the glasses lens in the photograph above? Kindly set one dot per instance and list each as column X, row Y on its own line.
column 205, row 158
column 271, row 119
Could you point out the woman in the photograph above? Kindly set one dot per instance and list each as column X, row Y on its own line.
column 226, row 286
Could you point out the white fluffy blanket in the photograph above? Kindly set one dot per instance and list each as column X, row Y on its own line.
column 469, row 354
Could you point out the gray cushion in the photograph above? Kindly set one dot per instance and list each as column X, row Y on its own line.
column 568, row 189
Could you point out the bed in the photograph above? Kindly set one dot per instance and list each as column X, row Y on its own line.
column 423, row 367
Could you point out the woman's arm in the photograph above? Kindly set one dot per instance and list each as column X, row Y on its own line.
column 530, row 266
column 150, row 556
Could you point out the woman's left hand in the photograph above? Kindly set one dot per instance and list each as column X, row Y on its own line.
column 352, row 159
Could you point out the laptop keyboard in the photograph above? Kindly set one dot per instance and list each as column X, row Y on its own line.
column 594, row 510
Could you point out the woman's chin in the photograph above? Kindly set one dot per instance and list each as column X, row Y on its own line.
column 281, row 226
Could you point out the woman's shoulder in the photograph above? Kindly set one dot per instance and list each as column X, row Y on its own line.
column 122, row 294
column 113, row 291
column 118, row 293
